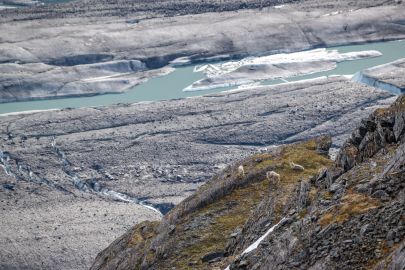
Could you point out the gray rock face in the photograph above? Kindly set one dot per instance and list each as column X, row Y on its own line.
column 157, row 41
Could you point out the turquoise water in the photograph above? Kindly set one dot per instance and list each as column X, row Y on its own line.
column 7, row 6
column 171, row 85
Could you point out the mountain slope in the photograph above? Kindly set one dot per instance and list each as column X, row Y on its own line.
column 200, row 226
column 343, row 215
column 356, row 219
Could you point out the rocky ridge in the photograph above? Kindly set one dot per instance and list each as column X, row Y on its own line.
column 346, row 214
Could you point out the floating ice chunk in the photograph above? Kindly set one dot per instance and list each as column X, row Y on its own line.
column 212, row 70
column 279, row 66
column 332, row 13
column 199, row 87
column 249, row 85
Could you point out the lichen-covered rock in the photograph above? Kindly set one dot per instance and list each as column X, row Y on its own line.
column 323, row 144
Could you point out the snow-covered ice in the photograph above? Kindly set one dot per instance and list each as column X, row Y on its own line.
column 279, row 66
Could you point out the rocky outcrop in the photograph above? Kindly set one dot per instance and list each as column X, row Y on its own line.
column 355, row 217
column 347, row 214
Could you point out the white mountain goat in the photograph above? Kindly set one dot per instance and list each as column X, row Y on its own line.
column 273, row 177
column 296, row 167
column 241, row 170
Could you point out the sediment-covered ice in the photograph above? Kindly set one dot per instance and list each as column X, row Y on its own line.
column 279, row 66
column 388, row 76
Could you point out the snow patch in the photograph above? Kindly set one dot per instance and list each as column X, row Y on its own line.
column 258, row 241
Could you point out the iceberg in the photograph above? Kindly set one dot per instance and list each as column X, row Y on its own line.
column 279, row 66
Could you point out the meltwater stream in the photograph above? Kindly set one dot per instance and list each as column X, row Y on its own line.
column 171, row 86
column 94, row 186
column 23, row 172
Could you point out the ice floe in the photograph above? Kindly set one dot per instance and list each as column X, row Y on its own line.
column 251, row 70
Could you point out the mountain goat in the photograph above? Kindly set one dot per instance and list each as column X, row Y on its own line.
column 241, row 170
column 273, row 177
column 296, row 167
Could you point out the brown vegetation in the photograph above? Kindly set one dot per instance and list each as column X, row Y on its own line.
column 352, row 204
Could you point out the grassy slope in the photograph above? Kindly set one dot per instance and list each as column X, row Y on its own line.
column 208, row 226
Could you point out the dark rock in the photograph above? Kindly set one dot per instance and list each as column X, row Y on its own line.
column 213, row 255
column 334, row 253
column 323, row 144
column 335, row 187
column 362, row 188
column 172, row 228
column 321, row 174
column 9, row 186
column 365, row 229
column 243, row 263
column 286, row 221
column 380, row 194
column 390, row 235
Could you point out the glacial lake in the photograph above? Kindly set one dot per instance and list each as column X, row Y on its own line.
column 171, row 86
